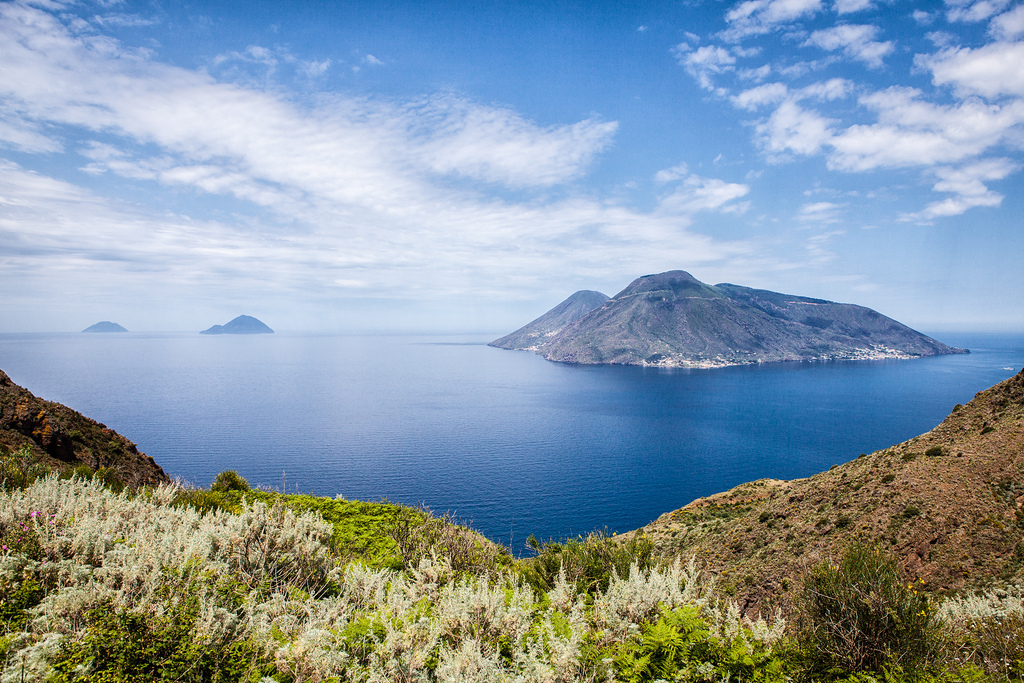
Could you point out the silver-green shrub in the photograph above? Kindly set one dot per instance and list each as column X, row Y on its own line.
column 266, row 578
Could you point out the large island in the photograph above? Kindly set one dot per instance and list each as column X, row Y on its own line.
column 674, row 320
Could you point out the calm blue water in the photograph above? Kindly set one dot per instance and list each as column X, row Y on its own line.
column 506, row 440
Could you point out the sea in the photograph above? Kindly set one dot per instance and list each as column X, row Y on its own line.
column 507, row 442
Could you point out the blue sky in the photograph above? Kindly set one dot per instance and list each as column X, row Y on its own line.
column 467, row 165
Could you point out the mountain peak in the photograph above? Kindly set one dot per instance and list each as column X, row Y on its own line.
column 675, row 283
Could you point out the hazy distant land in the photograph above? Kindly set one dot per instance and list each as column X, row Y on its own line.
column 243, row 324
column 105, row 326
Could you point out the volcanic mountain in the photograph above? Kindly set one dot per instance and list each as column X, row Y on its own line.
column 674, row 320
column 534, row 334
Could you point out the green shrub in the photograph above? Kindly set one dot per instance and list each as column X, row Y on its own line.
column 911, row 511
column 110, row 478
column 18, row 594
column 889, row 478
column 19, row 468
column 588, row 562
column 229, row 480
column 681, row 646
column 934, row 451
column 859, row 616
column 126, row 646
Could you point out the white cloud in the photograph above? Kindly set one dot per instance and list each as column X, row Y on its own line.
column 828, row 91
column 348, row 150
column 370, row 59
column 816, row 246
column 912, row 132
column 1010, row 25
column 974, row 10
column 967, row 184
column 122, row 20
column 791, row 128
column 315, row 68
column 850, row 6
column 754, row 98
column 940, row 38
column 757, row 17
column 704, row 194
column 820, row 212
column 667, row 175
column 705, row 62
column 991, row 70
column 18, row 133
column 498, row 145
column 855, row 40
column 350, row 191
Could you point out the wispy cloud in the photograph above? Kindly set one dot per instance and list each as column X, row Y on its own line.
column 973, row 10
column 705, row 62
column 857, row 41
column 967, row 185
column 757, row 17
column 696, row 193
column 380, row 196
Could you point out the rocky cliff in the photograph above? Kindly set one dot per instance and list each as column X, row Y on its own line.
column 62, row 438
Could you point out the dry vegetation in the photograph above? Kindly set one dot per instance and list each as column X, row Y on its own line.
column 946, row 504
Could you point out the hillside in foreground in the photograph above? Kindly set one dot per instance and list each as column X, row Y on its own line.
column 947, row 504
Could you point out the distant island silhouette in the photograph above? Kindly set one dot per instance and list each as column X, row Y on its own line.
column 243, row 324
column 105, row 326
